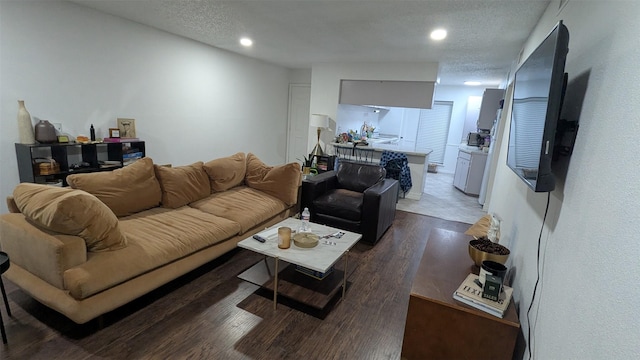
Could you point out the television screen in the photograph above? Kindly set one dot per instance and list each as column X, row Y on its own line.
column 538, row 92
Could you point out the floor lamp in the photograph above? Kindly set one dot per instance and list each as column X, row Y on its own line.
column 321, row 122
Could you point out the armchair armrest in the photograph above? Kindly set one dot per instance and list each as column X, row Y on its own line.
column 315, row 186
column 379, row 209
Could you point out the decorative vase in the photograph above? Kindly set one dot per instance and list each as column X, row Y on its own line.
column 45, row 132
column 25, row 126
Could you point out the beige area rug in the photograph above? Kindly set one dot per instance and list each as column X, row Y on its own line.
column 442, row 200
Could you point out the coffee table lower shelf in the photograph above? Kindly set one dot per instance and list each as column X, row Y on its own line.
column 295, row 289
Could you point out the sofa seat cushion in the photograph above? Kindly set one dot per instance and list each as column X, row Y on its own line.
column 155, row 237
column 125, row 191
column 340, row 203
column 242, row 204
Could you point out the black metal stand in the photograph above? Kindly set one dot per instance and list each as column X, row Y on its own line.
column 4, row 265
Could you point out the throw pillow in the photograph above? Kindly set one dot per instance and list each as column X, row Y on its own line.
column 480, row 228
column 125, row 191
column 279, row 181
column 226, row 173
column 182, row 185
column 71, row 212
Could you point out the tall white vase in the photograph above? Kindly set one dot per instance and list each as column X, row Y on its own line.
column 25, row 126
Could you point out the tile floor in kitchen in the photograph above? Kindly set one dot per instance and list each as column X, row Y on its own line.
column 442, row 200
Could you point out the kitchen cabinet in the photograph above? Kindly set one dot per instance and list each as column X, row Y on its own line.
column 488, row 108
column 403, row 94
column 469, row 171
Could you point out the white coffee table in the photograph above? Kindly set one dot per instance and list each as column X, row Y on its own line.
column 320, row 258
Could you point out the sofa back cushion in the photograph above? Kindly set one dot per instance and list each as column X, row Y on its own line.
column 357, row 176
column 280, row 181
column 71, row 212
column 125, row 191
column 226, row 173
column 182, row 185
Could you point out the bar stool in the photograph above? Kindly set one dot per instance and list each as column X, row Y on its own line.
column 397, row 166
column 394, row 171
column 344, row 152
column 4, row 266
column 364, row 155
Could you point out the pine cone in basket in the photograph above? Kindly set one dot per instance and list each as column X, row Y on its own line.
column 486, row 245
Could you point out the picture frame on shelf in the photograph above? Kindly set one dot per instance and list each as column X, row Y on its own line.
column 127, row 128
column 114, row 133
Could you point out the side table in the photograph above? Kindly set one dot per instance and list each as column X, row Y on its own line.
column 4, row 265
column 439, row 327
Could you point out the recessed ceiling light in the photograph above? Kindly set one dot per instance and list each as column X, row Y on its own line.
column 472, row 83
column 438, row 34
column 246, row 42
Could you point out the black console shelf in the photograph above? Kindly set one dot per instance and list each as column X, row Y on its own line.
column 73, row 158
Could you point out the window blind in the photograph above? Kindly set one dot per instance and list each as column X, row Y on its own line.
column 433, row 130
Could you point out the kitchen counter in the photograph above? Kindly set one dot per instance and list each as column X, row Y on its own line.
column 380, row 147
column 470, row 149
column 418, row 163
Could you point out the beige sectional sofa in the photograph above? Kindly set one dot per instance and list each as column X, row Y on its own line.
column 114, row 236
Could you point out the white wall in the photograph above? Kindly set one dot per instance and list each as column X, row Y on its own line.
column 460, row 96
column 587, row 302
column 191, row 102
column 352, row 117
column 300, row 76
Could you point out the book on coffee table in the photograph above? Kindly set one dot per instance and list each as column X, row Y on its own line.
column 470, row 293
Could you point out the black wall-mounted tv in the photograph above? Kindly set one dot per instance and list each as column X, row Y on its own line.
column 538, row 93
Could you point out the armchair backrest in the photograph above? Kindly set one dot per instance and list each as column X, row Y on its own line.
column 358, row 176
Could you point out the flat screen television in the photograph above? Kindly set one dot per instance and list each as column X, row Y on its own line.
column 538, row 93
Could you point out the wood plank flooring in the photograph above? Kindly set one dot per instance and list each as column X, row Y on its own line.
column 211, row 314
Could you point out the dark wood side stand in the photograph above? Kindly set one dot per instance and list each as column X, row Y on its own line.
column 439, row 327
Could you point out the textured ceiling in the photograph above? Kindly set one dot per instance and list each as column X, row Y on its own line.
column 484, row 37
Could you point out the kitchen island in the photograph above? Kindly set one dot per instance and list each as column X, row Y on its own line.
column 418, row 163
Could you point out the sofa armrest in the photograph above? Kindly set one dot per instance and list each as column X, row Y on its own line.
column 11, row 205
column 43, row 253
column 379, row 209
column 315, row 186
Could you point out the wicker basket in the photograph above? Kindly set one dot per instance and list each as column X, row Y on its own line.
column 48, row 168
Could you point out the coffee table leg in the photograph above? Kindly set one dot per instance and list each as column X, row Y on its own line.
column 275, row 286
column 266, row 265
column 344, row 280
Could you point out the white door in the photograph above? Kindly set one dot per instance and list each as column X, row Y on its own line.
column 298, row 129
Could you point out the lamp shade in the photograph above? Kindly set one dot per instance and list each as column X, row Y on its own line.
column 319, row 120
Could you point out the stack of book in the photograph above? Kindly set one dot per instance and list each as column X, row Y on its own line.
column 117, row 140
column 131, row 157
column 314, row 274
column 470, row 293
column 109, row 164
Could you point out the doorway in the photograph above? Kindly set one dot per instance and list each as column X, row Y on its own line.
column 298, row 122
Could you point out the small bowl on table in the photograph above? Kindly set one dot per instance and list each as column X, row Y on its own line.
column 482, row 249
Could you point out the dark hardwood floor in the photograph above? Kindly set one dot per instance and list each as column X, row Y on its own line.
column 211, row 314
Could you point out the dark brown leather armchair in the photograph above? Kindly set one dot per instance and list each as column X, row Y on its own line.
column 355, row 197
